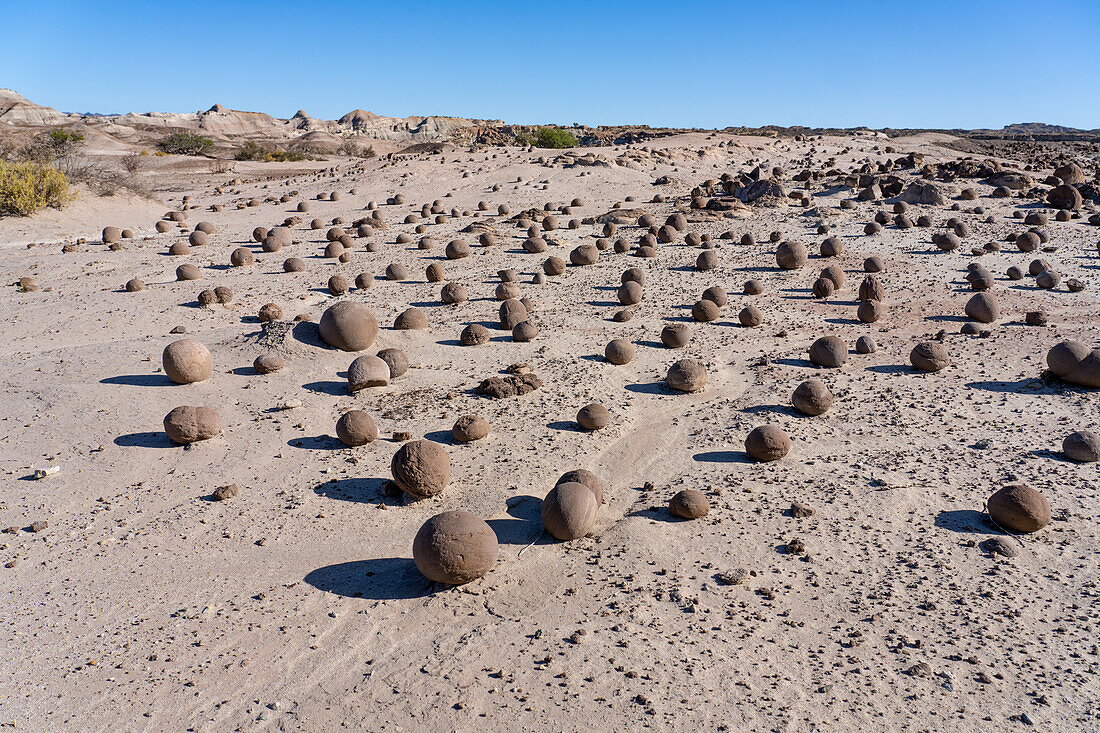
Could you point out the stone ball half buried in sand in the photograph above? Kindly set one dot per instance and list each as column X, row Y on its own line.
column 593, row 417
column 584, row 477
column 1019, row 508
column 368, row 371
column 675, row 335
column 188, row 424
column 421, row 468
column 1083, row 446
column 187, row 361
column 929, row 356
column 829, row 351
column 469, row 428
column 1064, row 358
column 268, row 363
column 767, row 443
column 687, row 375
column 348, row 326
column 569, row 511
column 812, row 397
column 356, row 427
column 454, row 548
column 689, row 504
column 397, row 361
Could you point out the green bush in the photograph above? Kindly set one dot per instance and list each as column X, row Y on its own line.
column 56, row 144
column 555, row 137
column 353, row 149
column 185, row 143
column 252, row 150
column 27, row 187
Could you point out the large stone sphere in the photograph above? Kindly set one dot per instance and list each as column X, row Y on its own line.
column 187, row 361
column 1019, row 508
column 189, row 424
column 455, row 547
column 687, row 375
column 348, row 326
column 421, row 468
column 767, row 443
column 356, row 427
column 569, row 511
column 812, row 397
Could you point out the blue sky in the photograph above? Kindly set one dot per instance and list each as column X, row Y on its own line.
column 843, row 63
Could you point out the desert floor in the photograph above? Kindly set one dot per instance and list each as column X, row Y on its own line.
column 145, row 605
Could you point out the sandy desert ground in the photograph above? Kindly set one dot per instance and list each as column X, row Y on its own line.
column 144, row 604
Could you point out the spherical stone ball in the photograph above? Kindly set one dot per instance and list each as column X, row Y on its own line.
column 163, row 226
column 823, row 287
column 831, row 247
column 368, row 371
column 585, row 254
column 469, row 428
column 633, row 274
column 1015, row 273
column 569, row 511
column 675, row 335
column 983, row 307
column 1087, row 373
column 750, row 316
column 754, row 287
column 338, row 285
column 593, row 416
column 630, row 293
column 411, row 319
column 836, row 274
column 1064, row 358
column 1028, row 242
column 421, row 468
column 268, row 363
column 791, row 255
column 207, row 297
column 929, row 356
column 534, row 245
column 457, row 249
column 716, row 295
column 585, row 478
column 553, row 266
column 294, row 264
column 455, row 547
column 767, row 443
column 198, row 239
column 705, row 311
column 619, row 351
column 869, row 311
column 356, row 427
column 1019, row 508
column 871, row 288
column 474, row 335
column 687, row 375
column 829, row 351
column 435, row 273
column 348, row 326
column 1082, row 445
column 512, row 313
column 1048, row 279
column 812, row 397
column 270, row 312
column 188, row 272
column 259, row 233
column 948, row 241
column 507, row 290
column 707, row 260
column 453, row 293
column 1037, row 266
column 873, row 264
column 1065, row 197
column 689, row 504
column 135, row 285
column 111, row 235
column 206, row 226
column 866, row 345
column 189, row 424
column 187, row 361
column 524, row 331
column 396, row 360
column 241, row 257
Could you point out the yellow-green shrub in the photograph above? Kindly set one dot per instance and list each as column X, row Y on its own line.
column 27, row 187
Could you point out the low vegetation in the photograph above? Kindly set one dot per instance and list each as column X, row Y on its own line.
column 353, row 149
column 252, row 150
column 30, row 186
column 555, row 137
column 185, row 143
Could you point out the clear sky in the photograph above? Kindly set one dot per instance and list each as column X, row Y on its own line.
column 844, row 63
